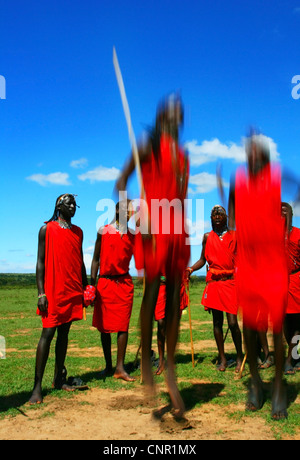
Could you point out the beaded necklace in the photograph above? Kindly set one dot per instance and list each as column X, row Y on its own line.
column 63, row 223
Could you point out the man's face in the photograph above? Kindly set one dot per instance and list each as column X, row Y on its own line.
column 125, row 211
column 219, row 217
column 256, row 158
column 67, row 207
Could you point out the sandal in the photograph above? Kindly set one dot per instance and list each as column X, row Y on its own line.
column 297, row 366
column 289, row 370
column 76, row 384
column 72, row 384
column 268, row 362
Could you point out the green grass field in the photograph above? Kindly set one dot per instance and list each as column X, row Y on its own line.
column 21, row 329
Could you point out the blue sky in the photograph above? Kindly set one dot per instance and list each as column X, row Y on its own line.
column 62, row 127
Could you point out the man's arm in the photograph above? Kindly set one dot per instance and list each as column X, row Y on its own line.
column 96, row 260
column 201, row 262
column 144, row 150
column 40, row 270
column 231, row 206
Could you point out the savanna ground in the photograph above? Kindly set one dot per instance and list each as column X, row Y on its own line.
column 114, row 410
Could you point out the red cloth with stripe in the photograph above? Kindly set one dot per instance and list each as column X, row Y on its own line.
column 165, row 179
column 293, row 305
column 63, row 275
column 262, row 273
column 220, row 293
column 114, row 298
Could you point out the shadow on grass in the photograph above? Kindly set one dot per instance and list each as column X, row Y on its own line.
column 200, row 393
column 187, row 358
column 18, row 400
column 195, row 394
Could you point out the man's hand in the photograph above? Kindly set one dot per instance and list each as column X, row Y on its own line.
column 43, row 304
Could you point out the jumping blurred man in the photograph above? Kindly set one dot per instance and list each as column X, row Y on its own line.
column 166, row 251
column 262, row 274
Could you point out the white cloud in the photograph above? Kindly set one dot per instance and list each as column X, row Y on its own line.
column 89, row 250
column 205, row 182
column 81, row 163
column 209, row 151
column 100, row 174
column 57, row 178
column 16, row 267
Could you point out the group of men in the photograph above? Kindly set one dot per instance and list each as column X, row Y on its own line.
column 239, row 266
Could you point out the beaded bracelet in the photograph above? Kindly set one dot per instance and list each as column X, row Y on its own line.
column 41, row 295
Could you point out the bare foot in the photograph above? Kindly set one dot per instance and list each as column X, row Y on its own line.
column 279, row 403
column 124, row 376
column 36, row 398
column 222, row 366
column 161, row 368
column 238, row 366
column 255, row 397
column 178, row 404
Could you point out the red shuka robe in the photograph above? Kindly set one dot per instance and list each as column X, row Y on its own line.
column 114, row 298
column 220, row 293
column 165, row 177
column 293, row 305
column 63, row 275
column 160, row 307
column 262, row 274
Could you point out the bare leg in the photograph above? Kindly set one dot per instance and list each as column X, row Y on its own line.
column 161, row 337
column 237, row 339
column 106, row 346
column 42, row 354
column 262, row 338
column 147, row 311
column 60, row 353
column 218, row 319
column 255, row 395
column 120, row 372
column 279, row 402
column 172, row 328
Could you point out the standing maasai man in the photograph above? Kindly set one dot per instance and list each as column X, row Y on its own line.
column 219, row 296
column 292, row 318
column 61, row 277
column 114, row 249
column 166, row 251
column 262, row 274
